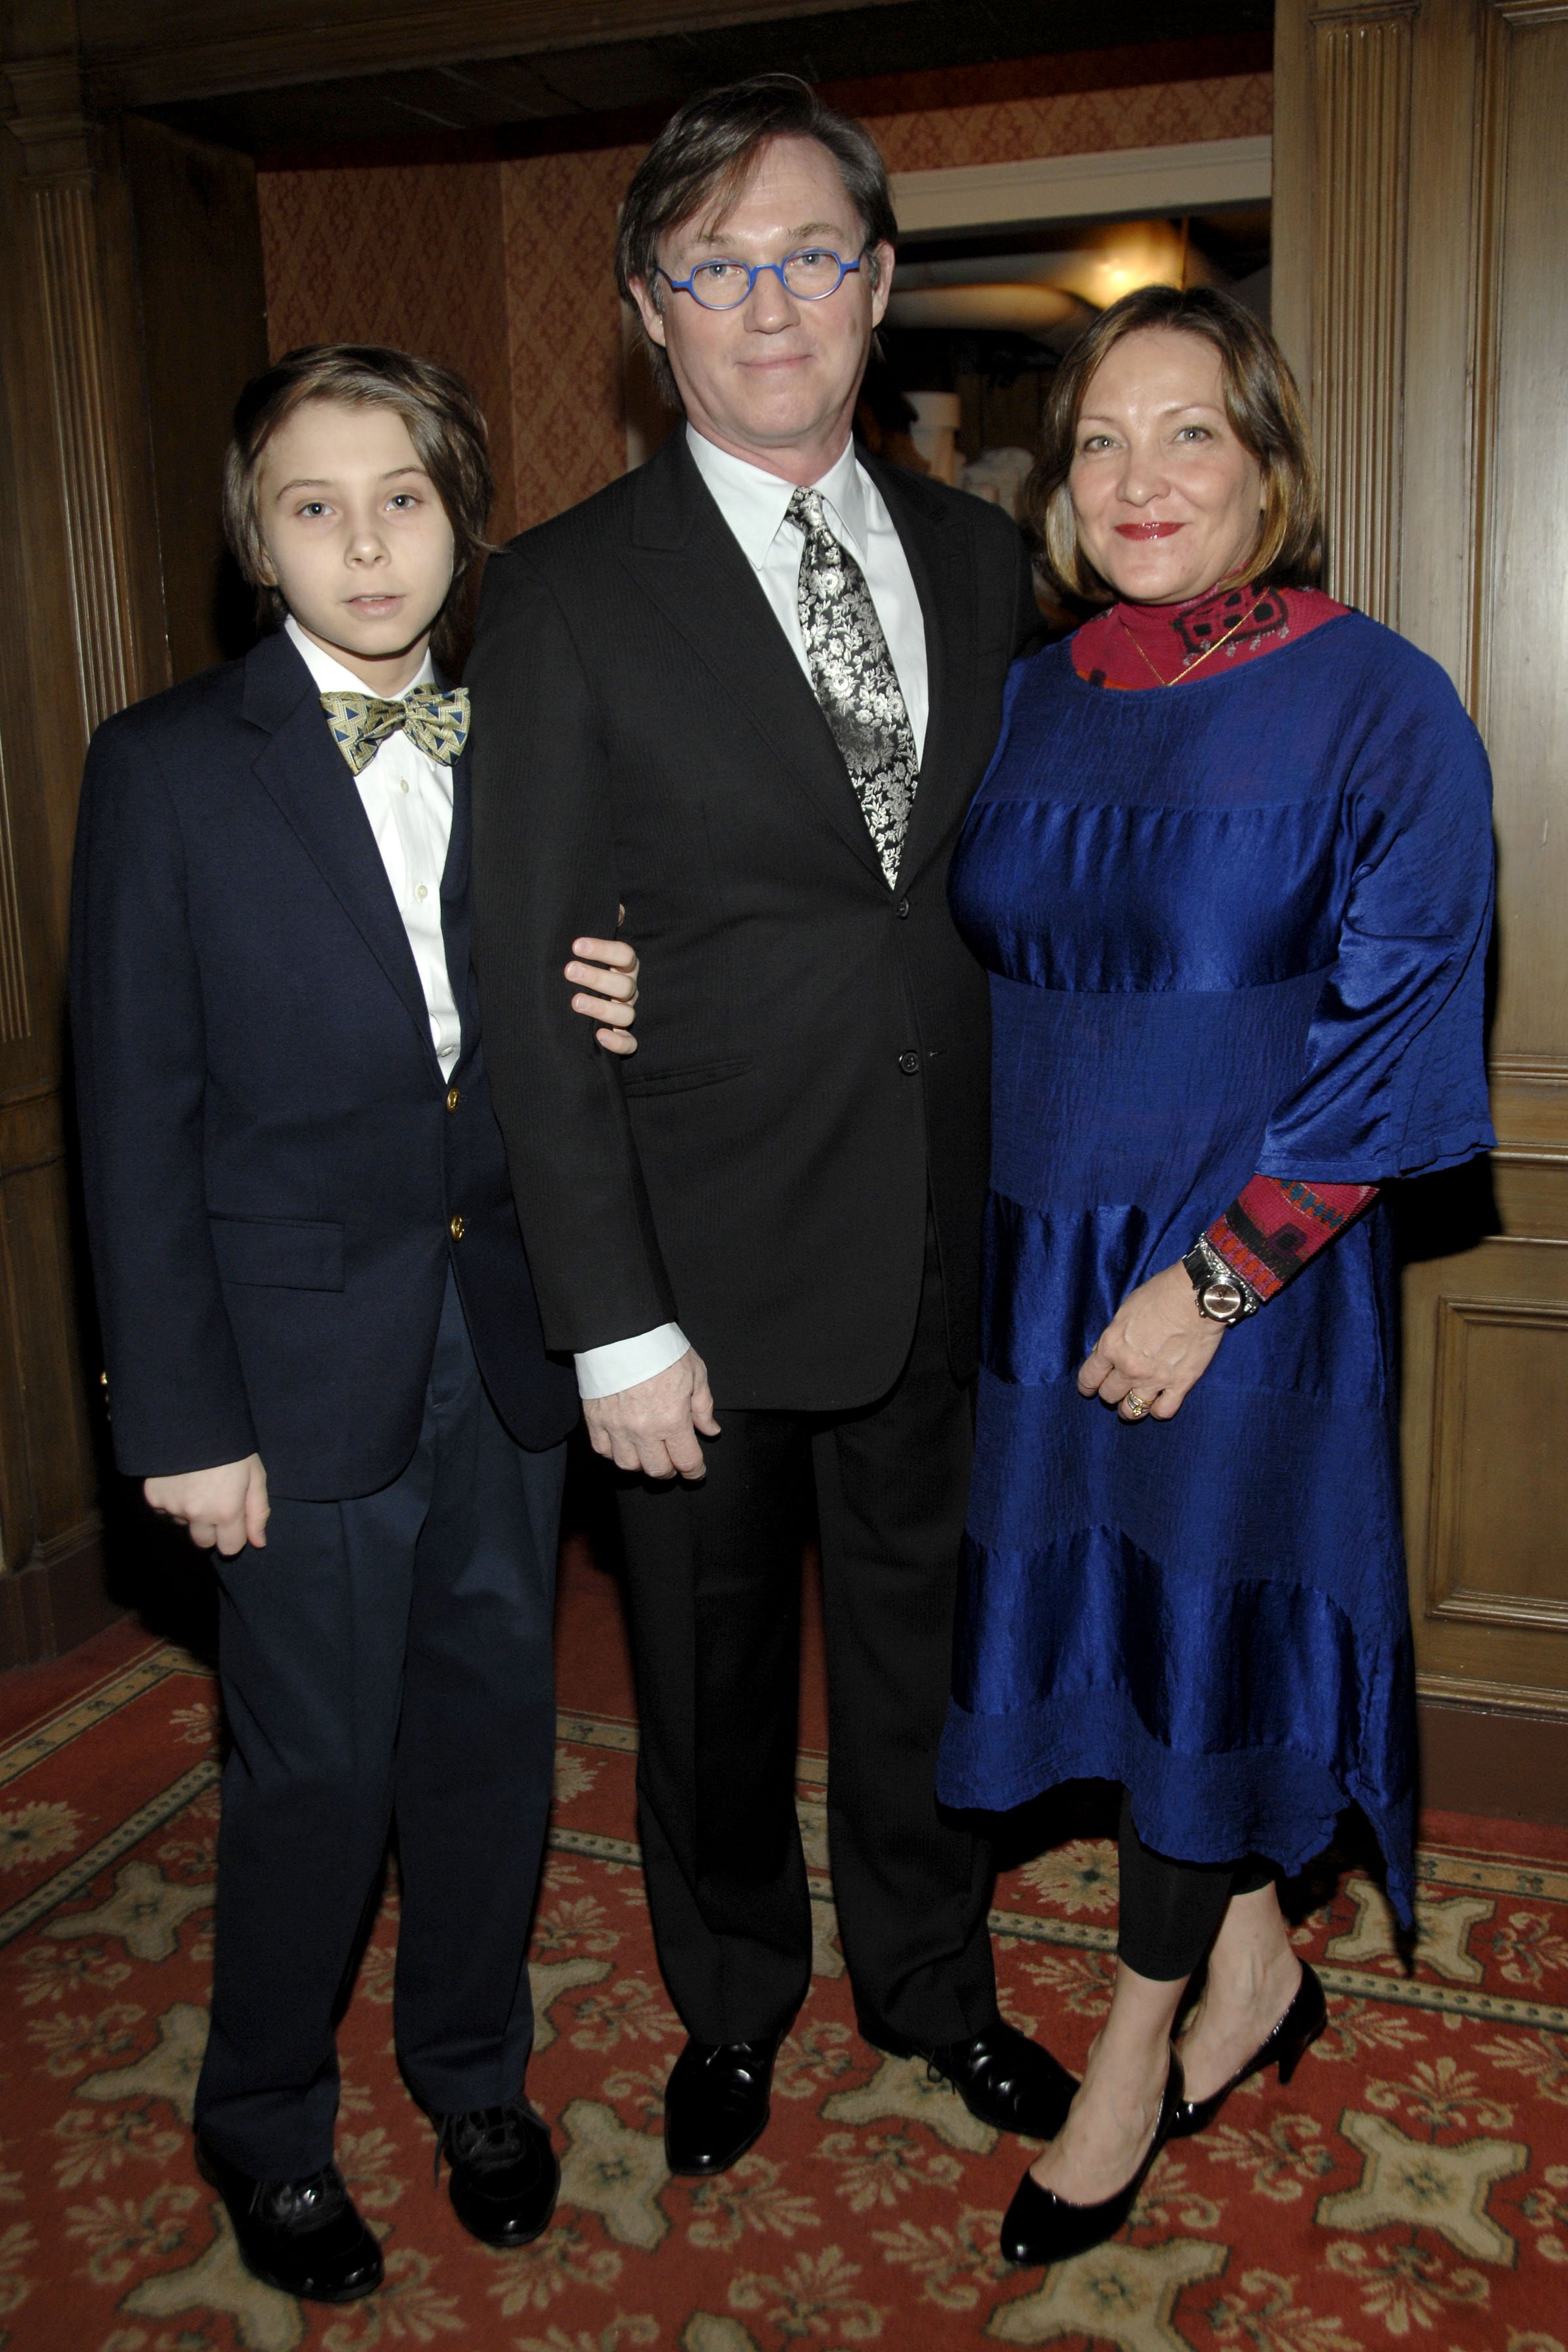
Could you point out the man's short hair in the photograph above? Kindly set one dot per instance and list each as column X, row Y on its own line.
column 701, row 159
column 446, row 425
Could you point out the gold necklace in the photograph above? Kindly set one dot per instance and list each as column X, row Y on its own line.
column 1182, row 676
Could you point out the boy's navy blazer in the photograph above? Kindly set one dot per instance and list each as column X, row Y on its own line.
column 275, row 1166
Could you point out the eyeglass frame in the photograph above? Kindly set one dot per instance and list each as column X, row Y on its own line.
column 719, row 310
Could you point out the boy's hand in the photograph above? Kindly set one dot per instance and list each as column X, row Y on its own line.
column 609, row 968
column 654, row 1427
column 227, row 1505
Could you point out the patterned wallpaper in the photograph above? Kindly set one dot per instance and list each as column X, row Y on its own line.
column 502, row 269
column 1082, row 123
column 568, row 435
column 414, row 257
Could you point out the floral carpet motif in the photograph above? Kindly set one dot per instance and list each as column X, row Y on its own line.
column 1409, row 2189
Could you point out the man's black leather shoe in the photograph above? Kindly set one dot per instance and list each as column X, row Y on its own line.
column 1003, row 2078
column 716, row 2102
column 303, row 2237
column 505, row 2176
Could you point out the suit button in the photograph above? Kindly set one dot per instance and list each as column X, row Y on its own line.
column 902, row 911
column 910, row 1065
column 457, row 1229
column 452, row 1098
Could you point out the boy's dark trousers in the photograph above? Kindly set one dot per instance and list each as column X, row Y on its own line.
column 385, row 1660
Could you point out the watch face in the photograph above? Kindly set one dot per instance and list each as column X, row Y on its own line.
column 1221, row 1301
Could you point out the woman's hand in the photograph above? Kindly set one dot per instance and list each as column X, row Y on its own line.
column 609, row 968
column 1155, row 1347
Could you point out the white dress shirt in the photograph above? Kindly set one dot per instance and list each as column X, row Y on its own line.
column 407, row 797
column 754, row 503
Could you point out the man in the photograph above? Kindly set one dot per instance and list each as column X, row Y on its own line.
column 749, row 691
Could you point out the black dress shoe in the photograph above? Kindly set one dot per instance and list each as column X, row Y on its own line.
column 1003, row 2078
column 1041, row 2227
column 716, row 2102
column 303, row 2237
column 1286, row 2046
column 505, row 2176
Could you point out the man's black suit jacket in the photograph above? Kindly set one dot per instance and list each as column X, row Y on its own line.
column 813, row 1045
column 271, row 1167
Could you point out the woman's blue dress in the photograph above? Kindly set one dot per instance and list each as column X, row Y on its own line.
column 1237, row 925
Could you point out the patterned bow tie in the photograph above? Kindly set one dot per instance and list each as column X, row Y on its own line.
column 436, row 719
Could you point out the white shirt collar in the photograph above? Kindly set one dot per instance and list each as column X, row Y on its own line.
column 330, row 676
column 753, row 503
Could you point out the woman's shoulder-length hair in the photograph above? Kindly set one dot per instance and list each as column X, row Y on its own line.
column 1264, row 412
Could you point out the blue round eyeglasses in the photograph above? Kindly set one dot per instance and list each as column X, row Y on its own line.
column 811, row 275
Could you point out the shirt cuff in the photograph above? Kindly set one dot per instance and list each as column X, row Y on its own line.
column 621, row 1363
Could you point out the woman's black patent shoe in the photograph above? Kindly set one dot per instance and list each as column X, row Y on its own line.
column 1297, row 2029
column 1043, row 2227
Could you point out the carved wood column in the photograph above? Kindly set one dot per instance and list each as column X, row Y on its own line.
column 63, row 192
column 1361, row 71
column 78, row 571
column 91, row 495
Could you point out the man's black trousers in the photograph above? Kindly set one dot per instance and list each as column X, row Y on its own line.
column 386, row 1659
column 714, row 1576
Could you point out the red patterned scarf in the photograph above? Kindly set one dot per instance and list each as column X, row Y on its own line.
column 1137, row 645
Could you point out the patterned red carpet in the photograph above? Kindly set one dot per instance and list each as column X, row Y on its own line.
column 1410, row 2189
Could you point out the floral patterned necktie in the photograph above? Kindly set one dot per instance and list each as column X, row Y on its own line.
column 436, row 718
column 855, row 681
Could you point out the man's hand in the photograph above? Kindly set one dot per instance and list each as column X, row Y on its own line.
column 608, row 968
column 654, row 1427
column 227, row 1505
column 1156, row 1345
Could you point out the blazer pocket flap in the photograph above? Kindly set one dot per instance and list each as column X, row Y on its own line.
column 287, row 1253
column 678, row 1082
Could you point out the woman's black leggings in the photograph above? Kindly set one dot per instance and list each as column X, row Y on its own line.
column 1171, row 1911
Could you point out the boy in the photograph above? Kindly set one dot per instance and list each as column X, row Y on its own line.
column 323, row 1352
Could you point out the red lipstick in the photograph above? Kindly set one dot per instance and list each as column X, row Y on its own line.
column 1146, row 529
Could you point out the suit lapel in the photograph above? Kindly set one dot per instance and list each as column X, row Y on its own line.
column 686, row 559
column 309, row 779
column 940, row 562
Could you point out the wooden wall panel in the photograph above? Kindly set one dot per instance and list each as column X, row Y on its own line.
column 1419, row 285
column 1521, row 612
column 75, row 575
column 1498, row 1501
column 202, row 299
column 81, row 581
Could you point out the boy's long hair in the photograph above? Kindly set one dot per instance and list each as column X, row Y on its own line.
column 446, row 425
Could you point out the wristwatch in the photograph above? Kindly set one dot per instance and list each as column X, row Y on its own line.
column 1222, row 1295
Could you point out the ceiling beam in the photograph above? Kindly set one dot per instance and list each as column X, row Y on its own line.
column 156, row 52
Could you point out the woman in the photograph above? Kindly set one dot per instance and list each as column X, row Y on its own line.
column 1230, row 872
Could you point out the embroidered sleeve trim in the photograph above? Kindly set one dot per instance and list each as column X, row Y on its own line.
column 1273, row 1227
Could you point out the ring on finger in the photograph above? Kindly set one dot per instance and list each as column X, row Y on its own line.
column 1136, row 1408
